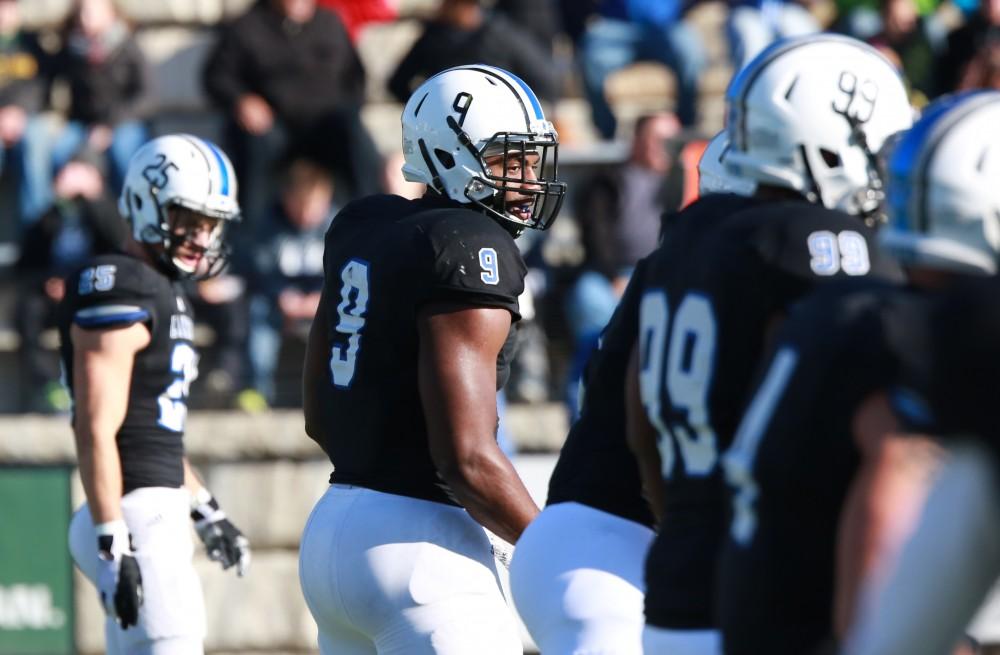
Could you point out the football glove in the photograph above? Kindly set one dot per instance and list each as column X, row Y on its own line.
column 119, row 580
column 223, row 541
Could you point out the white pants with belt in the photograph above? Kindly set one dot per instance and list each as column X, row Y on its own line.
column 385, row 574
column 172, row 616
column 577, row 581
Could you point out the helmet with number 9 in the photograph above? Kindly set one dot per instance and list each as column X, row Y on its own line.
column 180, row 171
column 462, row 117
column 810, row 114
column 714, row 177
column 943, row 187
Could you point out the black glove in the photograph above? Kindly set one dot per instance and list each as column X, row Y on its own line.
column 223, row 540
column 119, row 580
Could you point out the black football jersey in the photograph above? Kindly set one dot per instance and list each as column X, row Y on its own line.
column 707, row 305
column 795, row 456
column 117, row 290
column 385, row 258
column 595, row 466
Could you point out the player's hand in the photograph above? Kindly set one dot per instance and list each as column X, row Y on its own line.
column 119, row 580
column 223, row 541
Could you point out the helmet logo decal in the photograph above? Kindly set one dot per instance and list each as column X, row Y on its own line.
column 858, row 101
column 461, row 106
column 156, row 173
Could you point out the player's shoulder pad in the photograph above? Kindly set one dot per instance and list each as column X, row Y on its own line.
column 810, row 241
column 472, row 253
column 114, row 290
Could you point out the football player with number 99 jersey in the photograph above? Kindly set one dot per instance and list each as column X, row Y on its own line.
column 802, row 126
column 411, row 342
column 126, row 333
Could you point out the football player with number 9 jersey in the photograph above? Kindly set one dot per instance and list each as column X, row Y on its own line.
column 410, row 344
column 804, row 125
column 126, row 333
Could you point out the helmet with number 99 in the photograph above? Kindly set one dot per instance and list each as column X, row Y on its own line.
column 714, row 177
column 172, row 181
column 477, row 134
column 810, row 114
column 943, row 187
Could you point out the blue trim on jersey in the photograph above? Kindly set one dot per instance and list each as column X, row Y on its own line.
column 537, row 106
column 108, row 319
column 222, row 167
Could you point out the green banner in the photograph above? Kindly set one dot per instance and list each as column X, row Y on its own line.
column 36, row 571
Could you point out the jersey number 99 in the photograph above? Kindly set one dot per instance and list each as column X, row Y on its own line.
column 676, row 359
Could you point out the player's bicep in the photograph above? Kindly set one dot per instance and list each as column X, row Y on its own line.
column 642, row 438
column 102, row 375
column 314, row 371
column 457, row 376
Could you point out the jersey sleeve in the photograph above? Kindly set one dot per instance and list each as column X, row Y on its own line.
column 112, row 293
column 474, row 262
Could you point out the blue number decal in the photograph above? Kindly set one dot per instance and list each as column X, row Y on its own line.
column 351, row 320
column 488, row 262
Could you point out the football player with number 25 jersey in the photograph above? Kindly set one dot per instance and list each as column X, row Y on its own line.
column 804, row 123
column 126, row 334
column 410, row 343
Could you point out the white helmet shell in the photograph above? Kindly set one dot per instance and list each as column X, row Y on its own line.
column 943, row 187
column 176, row 170
column 811, row 113
column 462, row 115
column 714, row 177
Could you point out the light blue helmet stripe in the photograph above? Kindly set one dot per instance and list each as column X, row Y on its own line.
column 537, row 106
column 223, row 170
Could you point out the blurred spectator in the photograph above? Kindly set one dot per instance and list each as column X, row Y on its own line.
column 537, row 18
column 287, row 267
column 288, row 78
column 356, row 14
column 109, row 87
column 461, row 32
column 221, row 303
column 968, row 48
column 904, row 40
column 626, row 31
column 82, row 222
column 753, row 24
column 619, row 217
column 983, row 70
column 23, row 135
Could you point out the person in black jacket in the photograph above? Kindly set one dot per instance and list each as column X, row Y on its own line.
column 109, row 87
column 288, row 78
column 82, row 222
column 460, row 33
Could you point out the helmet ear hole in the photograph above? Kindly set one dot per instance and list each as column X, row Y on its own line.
column 445, row 157
column 830, row 158
column 136, row 202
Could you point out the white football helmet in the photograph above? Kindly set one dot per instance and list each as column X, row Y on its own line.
column 179, row 170
column 943, row 187
column 810, row 114
column 714, row 177
column 461, row 117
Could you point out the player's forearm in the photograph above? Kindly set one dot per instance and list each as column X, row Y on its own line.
column 486, row 484
column 100, row 473
column 191, row 480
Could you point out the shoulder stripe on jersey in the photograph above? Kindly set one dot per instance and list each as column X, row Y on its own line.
column 106, row 314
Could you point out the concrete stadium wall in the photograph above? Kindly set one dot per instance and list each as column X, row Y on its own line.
column 267, row 474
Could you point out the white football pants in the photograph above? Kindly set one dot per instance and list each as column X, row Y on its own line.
column 387, row 574
column 172, row 616
column 577, row 580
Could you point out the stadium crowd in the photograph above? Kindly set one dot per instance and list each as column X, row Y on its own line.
column 283, row 80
